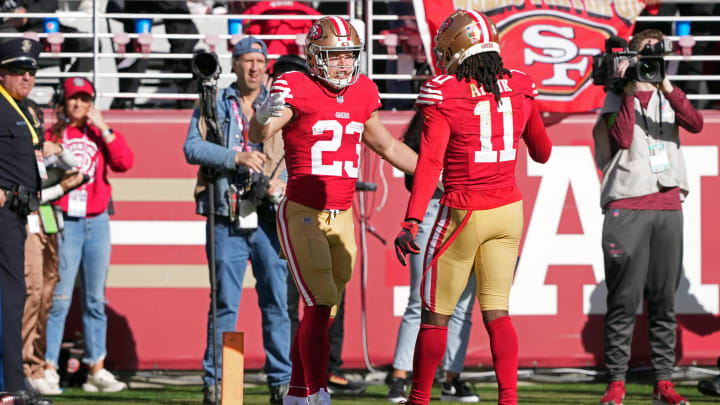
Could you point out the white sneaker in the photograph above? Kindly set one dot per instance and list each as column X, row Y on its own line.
column 42, row 386
column 321, row 397
column 293, row 400
column 103, row 381
column 51, row 383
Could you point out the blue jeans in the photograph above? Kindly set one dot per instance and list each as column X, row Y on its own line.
column 460, row 322
column 232, row 251
column 85, row 241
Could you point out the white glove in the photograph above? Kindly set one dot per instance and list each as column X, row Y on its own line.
column 271, row 107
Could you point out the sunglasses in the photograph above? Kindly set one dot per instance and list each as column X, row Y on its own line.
column 20, row 71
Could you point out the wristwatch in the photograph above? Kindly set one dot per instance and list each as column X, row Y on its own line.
column 107, row 133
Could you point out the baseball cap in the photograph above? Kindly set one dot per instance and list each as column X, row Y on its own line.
column 20, row 52
column 245, row 45
column 75, row 85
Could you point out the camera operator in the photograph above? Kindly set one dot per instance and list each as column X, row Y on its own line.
column 241, row 230
column 644, row 182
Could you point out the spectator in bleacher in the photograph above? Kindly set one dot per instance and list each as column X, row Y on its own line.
column 41, row 258
column 23, row 24
column 277, row 26
column 243, row 231
column 140, row 65
column 644, row 181
column 85, row 241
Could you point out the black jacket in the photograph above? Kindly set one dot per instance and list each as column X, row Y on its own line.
column 17, row 154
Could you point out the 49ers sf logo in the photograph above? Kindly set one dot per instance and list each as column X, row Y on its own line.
column 557, row 52
column 315, row 32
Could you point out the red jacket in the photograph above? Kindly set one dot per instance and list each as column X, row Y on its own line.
column 96, row 156
column 279, row 26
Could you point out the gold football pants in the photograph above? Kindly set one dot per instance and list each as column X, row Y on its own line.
column 320, row 249
column 487, row 238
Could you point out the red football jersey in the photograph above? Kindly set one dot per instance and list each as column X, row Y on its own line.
column 473, row 139
column 322, row 143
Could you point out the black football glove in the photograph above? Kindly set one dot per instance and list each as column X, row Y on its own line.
column 405, row 241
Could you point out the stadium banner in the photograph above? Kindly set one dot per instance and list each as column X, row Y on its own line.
column 551, row 40
column 158, row 284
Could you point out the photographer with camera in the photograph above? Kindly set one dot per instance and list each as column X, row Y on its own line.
column 637, row 147
column 244, row 223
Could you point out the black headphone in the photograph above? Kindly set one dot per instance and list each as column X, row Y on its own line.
column 59, row 96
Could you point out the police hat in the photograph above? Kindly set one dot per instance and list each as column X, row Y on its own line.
column 20, row 52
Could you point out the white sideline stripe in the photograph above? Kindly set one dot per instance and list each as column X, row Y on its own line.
column 166, row 276
column 157, row 232
column 142, row 189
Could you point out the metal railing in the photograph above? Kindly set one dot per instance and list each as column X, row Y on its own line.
column 373, row 47
column 376, row 39
column 95, row 34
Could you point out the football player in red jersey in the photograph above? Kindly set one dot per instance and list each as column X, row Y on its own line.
column 474, row 116
column 324, row 117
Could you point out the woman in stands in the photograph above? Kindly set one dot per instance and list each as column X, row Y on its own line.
column 81, row 129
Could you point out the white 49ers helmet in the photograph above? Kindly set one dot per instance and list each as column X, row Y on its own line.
column 463, row 34
column 332, row 34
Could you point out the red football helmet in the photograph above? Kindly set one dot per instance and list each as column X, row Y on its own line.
column 463, row 34
column 332, row 34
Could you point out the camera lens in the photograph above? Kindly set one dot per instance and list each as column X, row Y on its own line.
column 205, row 64
column 649, row 71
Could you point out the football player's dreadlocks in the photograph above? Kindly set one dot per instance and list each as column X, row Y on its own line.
column 486, row 68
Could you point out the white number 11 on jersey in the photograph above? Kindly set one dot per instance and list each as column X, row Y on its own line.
column 486, row 154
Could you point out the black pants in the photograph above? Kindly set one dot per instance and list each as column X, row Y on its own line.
column 337, row 329
column 643, row 252
column 12, row 290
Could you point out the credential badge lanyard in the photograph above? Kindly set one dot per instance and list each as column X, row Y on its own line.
column 35, row 138
column 77, row 199
column 246, row 211
column 242, row 124
column 659, row 161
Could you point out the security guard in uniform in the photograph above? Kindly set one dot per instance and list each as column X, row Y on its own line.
column 21, row 168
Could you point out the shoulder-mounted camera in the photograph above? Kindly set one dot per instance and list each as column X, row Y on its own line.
column 647, row 65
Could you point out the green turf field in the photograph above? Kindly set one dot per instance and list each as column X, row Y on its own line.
column 536, row 394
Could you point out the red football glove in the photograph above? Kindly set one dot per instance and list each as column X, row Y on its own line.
column 405, row 241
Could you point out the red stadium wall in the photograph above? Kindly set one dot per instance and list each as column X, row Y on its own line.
column 158, row 292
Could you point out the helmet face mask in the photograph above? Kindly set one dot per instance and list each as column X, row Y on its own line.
column 463, row 34
column 328, row 38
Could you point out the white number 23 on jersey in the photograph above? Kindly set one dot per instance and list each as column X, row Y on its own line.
column 336, row 167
